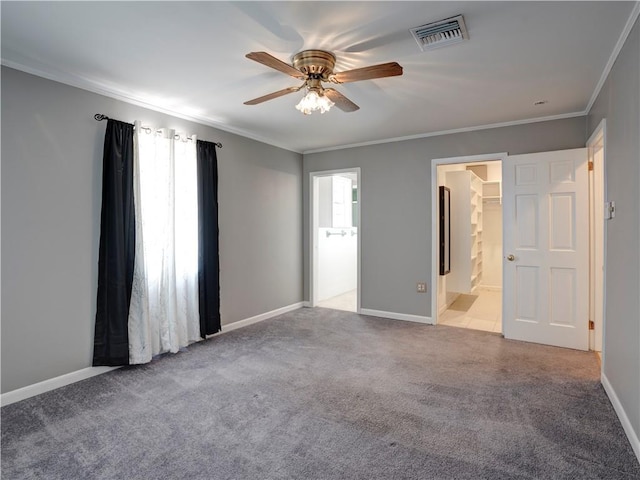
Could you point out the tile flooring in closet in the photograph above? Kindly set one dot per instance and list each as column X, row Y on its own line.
column 485, row 313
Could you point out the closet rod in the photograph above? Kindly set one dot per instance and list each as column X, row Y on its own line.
column 99, row 117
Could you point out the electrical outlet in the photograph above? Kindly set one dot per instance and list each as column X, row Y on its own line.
column 421, row 287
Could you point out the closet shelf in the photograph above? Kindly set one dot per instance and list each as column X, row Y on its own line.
column 466, row 202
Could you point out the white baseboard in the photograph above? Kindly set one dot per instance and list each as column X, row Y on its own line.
column 51, row 384
column 397, row 316
column 306, row 304
column 258, row 318
column 446, row 305
column 72, row 377
column 622, row 415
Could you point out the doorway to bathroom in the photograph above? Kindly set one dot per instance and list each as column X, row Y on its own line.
column 335, row 239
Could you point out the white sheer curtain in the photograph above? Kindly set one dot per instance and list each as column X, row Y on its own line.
column 163, row 314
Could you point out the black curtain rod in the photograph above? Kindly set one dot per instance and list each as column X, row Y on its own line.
column 99, row 117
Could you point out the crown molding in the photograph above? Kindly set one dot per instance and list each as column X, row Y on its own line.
column 95, row 87
column 449, row 132
column 614, row 54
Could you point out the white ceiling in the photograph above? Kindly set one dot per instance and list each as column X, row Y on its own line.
column 188, row 58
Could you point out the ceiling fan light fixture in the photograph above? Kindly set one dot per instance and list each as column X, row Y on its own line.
column 315, row 67
column 314, row 101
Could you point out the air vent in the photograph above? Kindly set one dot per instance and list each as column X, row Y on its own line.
column 440, row 34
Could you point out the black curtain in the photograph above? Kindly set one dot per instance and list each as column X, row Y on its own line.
column 117, row 247
column 208, row 254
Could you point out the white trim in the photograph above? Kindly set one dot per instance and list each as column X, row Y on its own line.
column 614, row 55
column 435, row 224
column 72, row 377
column 599, row 135
column 622, row 415
column 51, row 384
column 599, row 131
column 397, row 316
column 88, row 85
column 312, row 227
column 449, row 132
column 485, row 157
column 257, row 318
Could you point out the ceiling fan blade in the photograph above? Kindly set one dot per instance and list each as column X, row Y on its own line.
column 342, row 102
column 271, row 61
column 390, row 69
column 273, row 95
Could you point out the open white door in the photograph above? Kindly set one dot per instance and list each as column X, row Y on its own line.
column 546, row 248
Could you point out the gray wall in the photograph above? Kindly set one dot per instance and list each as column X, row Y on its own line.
column 619, row 103
column 396, row 202
column 51, row 195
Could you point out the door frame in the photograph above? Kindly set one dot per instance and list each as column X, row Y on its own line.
column 598, row 226
column 313, row 226
column 435, row 227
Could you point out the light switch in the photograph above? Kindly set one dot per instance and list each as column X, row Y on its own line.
column 609, row 210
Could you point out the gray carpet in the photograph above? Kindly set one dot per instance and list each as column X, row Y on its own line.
column 323, row 394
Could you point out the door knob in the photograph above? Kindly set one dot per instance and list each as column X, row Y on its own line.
column 511, row 257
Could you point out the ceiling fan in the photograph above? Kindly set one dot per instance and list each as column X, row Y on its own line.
column 315, row 67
